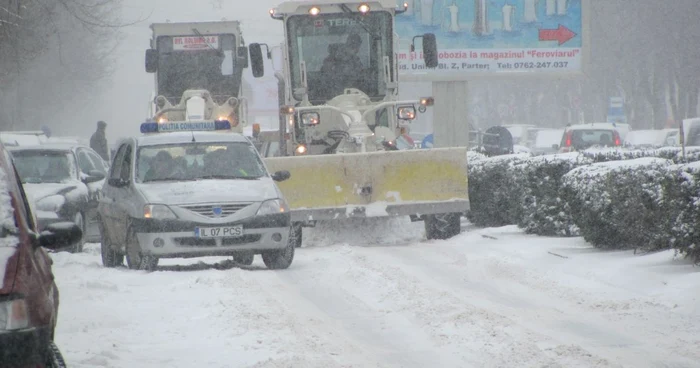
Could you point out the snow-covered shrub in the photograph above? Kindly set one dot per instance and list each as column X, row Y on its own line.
column 617, row 154
column 496, row 189
column 680, row 210
column 473, row 156
column 544, row 212
column 616, row 204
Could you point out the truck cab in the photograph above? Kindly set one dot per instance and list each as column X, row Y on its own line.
column 198, row 72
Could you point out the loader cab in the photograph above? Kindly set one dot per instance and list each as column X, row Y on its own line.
column 339, row 50
column 197, row 56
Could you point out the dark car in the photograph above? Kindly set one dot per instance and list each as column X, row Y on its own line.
column 28, row 293
column 64, row 183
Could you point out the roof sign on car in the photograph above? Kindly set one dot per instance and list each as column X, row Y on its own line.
column 185, row 126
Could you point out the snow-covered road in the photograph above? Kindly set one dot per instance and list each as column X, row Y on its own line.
column 355, row 298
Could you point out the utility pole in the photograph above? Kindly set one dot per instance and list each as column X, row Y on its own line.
column 16, row 120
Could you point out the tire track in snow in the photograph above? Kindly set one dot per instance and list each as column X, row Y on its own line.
column 298, row 334
column 560, row 314
column 393, row 340
column 461, row 334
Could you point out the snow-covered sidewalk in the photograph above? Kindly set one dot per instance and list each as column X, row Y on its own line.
column 355, row 298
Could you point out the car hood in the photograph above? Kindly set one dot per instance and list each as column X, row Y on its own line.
column 36, row 192
column 202, row 191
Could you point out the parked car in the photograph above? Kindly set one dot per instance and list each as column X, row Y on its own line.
column 583, row 136
column 519, row 132
column 547, row 141
column 64, row 183
column 28, row 293
column 670, row 137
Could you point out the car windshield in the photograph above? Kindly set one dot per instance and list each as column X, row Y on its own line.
column 45, row 166
column 184, row 65
column 194, row 161
column 340, row 51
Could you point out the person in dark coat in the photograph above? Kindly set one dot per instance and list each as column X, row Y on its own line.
column 98, row 141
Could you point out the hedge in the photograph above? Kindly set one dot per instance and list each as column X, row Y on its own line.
column 615, row 203
column 615, row 199
column 544, row 211
column 493, row 190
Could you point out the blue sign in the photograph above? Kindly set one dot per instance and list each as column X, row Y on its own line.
column 482, row 37
column 616, row 110
column 185, row 126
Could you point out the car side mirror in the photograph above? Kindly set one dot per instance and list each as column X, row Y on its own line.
column 430, row 52
column 256, row 60
column 281, row 175
column 94, row 176
column 151, row 60
column 117, row 182
column 60, row 235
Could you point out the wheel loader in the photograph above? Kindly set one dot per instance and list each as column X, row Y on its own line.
column 198, row 70
column 341, row 116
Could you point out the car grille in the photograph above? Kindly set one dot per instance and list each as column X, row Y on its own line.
column 199, row 242
column 207, row 210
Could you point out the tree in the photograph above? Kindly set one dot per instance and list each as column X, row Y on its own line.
column 52, row 51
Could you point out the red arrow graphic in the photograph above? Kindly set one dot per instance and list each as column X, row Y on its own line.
column 561, row 34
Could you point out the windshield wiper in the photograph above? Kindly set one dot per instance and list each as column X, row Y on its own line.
column 218, row 52
column 168, row 179
column 242, row 177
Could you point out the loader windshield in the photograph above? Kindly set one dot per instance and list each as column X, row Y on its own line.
column 186, row 63
column 340, row 51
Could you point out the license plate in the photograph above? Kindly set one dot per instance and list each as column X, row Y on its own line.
column 218, row 232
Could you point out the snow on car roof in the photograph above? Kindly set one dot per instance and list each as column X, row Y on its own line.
column 547, row 137
column 186, row 137
column 43, row 147
column 640, row 137
column 609, row 126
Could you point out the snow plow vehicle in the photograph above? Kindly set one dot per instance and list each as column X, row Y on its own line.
column 198, row 71
column 342, row 116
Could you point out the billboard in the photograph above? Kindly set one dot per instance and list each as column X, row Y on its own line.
column 494, row 38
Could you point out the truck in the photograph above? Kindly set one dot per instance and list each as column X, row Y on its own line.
column 341, row 118
column 198, row 70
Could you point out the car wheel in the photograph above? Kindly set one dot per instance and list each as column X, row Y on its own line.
column 110, row 257
column 135, row 259
column 79, row 220
column 296, row 235
column 245, row 259
column 54, row 359
column 442, row 226
column 281, row 258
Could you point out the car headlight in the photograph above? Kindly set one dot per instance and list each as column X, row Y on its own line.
column 310, row 118
column 14, row 315
column 51, row 203
column 158, row 212
column 272, row 207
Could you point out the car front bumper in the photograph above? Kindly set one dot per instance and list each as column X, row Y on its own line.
column 173, row 238
column 24, row 347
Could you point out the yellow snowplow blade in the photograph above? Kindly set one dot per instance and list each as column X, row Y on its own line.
column 386, row 183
